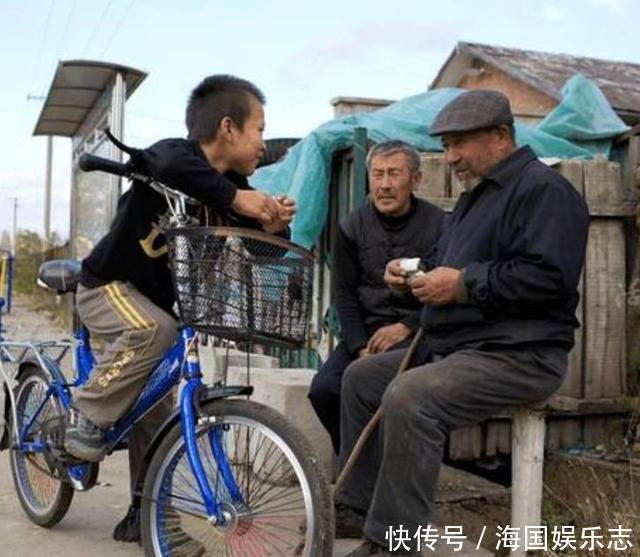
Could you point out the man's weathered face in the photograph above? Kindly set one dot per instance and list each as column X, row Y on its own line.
column 391, row 183
column 473, row 154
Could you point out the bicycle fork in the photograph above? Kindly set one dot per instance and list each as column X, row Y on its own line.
column 188, row 404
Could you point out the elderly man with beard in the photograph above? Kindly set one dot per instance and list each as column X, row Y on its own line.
column 392, row 224
column 499, row 295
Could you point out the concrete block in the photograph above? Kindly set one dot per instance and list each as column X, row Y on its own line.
column 212, row 361
column 286, row 390
column 239, row 359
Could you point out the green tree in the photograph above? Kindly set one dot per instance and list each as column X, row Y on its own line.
column 5, row 240
column 28, row 258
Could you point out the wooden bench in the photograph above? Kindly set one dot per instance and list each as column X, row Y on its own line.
column 527, row 461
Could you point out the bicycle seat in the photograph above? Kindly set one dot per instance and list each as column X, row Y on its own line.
column 62, row 275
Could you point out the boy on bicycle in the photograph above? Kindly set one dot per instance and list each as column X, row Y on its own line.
column 125, row 296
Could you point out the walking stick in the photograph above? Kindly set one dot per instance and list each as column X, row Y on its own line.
column 373, row 422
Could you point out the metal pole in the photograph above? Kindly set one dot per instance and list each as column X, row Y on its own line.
column 15, row 225
column 47, row 195
column 359, row 166
column 116, row 123
column 10, row 283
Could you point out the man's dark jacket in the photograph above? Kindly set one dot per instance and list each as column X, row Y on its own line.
column 520, row 236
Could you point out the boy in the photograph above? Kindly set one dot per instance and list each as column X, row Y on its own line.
column 125, row 296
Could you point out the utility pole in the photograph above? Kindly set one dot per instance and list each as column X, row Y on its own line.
column 116, row 123
column 47, row 184
column 47, row 195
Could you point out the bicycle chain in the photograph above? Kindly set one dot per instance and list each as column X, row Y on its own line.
column 31, row 459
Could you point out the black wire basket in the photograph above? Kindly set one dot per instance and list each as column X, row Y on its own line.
column 241, row 284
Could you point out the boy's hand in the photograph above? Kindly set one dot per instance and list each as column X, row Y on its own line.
column 256, row 205
column 286, row 212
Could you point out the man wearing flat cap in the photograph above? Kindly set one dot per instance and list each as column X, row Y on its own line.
column 499, row 295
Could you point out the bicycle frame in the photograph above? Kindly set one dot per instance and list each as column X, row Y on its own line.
column 180, row 361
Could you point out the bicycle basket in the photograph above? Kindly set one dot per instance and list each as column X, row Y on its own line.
column 241, row 284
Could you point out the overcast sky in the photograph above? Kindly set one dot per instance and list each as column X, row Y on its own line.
column 300, row 53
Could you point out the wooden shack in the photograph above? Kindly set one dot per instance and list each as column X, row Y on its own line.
column 533, row 80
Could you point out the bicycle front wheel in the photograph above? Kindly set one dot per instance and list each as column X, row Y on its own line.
column 284, row 508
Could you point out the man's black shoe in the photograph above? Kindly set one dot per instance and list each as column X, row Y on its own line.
column 182, row 545
column 349, row 521
column 128, row 529
column 369, row 548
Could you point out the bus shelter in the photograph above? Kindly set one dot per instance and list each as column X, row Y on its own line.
column 84, row 98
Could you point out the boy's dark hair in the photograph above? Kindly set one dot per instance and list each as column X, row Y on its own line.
column 215, row 98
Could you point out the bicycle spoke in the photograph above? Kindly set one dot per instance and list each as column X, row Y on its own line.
column 267, row 523
column 42, row 486
column 43, row 492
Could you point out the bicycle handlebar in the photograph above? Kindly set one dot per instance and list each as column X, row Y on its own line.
column 90, row 163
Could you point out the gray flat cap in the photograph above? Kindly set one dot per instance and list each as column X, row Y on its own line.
column 474, row 110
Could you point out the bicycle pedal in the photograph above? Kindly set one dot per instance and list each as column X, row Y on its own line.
column 60, row 460
column 52, row 432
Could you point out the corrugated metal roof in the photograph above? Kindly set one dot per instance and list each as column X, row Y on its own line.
column 548, row 72
column 76, row 88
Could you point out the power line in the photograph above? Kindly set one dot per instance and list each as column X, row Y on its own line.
column 36, row 64
column 97, row 28
column 152, row 117
column 41, row 46
column 66, row 28
column 117, row 28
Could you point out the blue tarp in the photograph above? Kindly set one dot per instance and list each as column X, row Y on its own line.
column 582, row 125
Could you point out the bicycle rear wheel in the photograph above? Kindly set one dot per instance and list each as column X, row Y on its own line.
column 286, row 507
column 44, row 496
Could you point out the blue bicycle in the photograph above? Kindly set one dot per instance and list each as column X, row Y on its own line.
column 231, row 475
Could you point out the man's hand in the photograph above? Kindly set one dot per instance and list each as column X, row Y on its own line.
column 386, row 337
column 363, row 353
column 286, row 212
column 256, row 205
column 395, row 276
column 437, row 287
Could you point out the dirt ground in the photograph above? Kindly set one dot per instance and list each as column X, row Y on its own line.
column 475, row 515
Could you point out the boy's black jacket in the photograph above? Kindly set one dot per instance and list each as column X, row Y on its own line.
column 134, row 250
